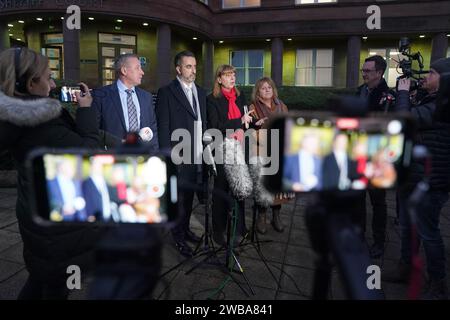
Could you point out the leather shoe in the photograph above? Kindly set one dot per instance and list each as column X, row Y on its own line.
column 219, row 239
column 192, row 237
column 183, row 248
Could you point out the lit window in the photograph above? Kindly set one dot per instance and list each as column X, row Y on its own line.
column 394, row 56
column 314, row 67
column 313, row 1
column 227, row 4
column 249, row 66
column 204, row 1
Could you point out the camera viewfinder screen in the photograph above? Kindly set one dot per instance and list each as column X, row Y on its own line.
column 106, row 188
column 341, row 153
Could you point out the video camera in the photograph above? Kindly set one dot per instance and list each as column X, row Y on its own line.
column 325, row 152
column 406, row 65
column 93, row 187
column 338, row 156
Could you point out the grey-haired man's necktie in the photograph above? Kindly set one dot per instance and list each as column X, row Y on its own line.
column 133, row 125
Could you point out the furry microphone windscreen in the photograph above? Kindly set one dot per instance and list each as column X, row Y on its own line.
column 236, row 170
column 262, row 197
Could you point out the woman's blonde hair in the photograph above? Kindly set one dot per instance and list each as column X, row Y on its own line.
column 259, row 84
column 221, row 70
column 32, row 66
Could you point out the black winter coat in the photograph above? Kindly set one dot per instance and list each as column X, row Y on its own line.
column 375, row 96
column 41, row 122
column 433, row 134
column 217, row 111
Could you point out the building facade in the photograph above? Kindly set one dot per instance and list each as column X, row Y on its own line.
column 319, row 43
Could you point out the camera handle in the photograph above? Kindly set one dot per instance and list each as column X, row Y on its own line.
column 332, row 232
column 420, row 153
column 128, row 262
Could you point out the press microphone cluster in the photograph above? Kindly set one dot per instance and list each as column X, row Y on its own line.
column 236, row 170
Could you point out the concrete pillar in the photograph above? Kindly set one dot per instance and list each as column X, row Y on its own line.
column 164, row 55
column 353, row 61
column 71, row 53
column 208, row 65
column 439, row 46
column 4, row 37
column 277, row 61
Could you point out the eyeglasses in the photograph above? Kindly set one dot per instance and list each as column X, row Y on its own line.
column 367, row 70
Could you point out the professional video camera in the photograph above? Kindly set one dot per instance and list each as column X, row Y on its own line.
column 337, row 157
column 129, row 193
column 406, row 65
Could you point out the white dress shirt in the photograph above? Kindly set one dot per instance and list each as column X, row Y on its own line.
column 123, row 99
column 190, row 90
column 102, row 188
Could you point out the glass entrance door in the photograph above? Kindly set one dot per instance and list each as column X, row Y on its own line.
column 110, row 47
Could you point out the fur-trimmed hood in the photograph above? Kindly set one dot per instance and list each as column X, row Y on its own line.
column 29, row 112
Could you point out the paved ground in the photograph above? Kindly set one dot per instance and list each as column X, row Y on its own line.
column 289, row 256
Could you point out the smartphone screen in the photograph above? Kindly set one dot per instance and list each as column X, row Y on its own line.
column 67, row 93
column 338, row 154
column 105, row 188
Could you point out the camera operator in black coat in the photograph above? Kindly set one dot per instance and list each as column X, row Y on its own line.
column 434, row 133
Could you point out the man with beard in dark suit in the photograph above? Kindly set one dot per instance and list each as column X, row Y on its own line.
column 182, row 105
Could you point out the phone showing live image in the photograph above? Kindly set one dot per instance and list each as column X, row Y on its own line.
column 87, row 187
column 67, row 93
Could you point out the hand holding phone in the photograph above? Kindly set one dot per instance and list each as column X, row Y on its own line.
column 83, row 96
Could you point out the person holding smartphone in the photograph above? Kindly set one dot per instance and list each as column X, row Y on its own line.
column 225, row 110
column 30, row 119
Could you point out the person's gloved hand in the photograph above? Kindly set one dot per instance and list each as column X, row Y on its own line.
column 146, row 134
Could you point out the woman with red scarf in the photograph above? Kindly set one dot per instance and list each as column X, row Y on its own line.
column 226, row 111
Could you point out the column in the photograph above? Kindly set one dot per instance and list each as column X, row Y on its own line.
column 164, row 55
column 439, row 46
column 208, row 64
column 353, row 61
column 277, row 61
column 71, row 53
column 4, row 37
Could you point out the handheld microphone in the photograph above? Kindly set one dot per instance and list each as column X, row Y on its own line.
column 146, row 134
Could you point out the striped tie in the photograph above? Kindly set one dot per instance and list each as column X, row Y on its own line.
column 132, row 113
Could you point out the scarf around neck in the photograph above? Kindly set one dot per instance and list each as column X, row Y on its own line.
column 233, row 109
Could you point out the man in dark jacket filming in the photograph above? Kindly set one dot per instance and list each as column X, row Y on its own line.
column 433, row 133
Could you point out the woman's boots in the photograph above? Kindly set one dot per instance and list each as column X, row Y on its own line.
column 276, row 220
column 261, row 223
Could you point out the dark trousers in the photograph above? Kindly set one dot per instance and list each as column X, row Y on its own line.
column 190, row 178
column 221, row 207
column 379, row 218
column 428, row 214
column 36, row 289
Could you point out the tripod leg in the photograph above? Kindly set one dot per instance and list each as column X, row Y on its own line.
column 208, row 256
